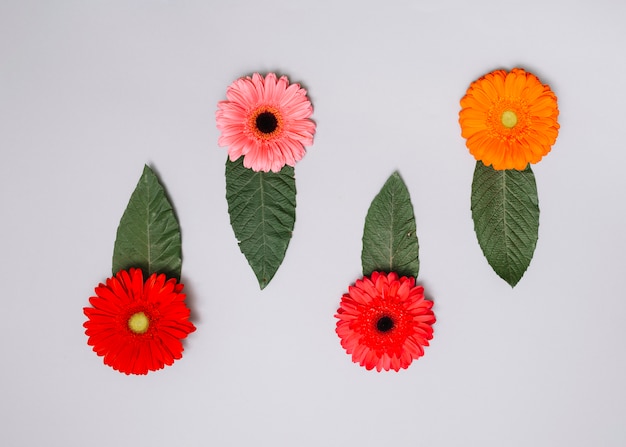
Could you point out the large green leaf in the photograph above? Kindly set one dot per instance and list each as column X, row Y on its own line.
column 262, row 209
column 505, row 209
column 148, row 236
column 389, row 238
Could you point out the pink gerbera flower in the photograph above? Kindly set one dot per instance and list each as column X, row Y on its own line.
column 267, row 121
column 385, row 321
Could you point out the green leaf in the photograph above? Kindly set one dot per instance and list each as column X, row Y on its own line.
column 262, row 209
column 389, row 238
column 148, row 236
column 505, row 210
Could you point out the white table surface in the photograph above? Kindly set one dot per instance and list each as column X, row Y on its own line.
column 90, row 91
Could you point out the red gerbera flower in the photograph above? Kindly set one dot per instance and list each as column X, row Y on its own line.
column 385, row 321
column 267, row 121
column 138, row 327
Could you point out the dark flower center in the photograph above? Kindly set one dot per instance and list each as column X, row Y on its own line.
column 384, row 324
column 266, row 122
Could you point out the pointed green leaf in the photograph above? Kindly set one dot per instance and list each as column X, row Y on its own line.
column 505, row 209
column 148, row 236
column 389, row 238
column 262, row 209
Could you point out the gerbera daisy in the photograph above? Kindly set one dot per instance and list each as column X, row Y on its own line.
column 385, row 321
column 267, row 121
column 509, row 119
column 138, row 326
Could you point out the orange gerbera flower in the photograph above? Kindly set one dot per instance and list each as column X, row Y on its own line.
column 509, row 119
column 138, row 327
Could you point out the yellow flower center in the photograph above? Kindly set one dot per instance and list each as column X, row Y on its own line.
column 138, row 323
column 508, row 119
column 265, row 123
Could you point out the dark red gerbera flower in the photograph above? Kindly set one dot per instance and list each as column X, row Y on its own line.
column 385, row 321
column 138, row 326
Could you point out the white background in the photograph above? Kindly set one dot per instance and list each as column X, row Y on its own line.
column 90, row 91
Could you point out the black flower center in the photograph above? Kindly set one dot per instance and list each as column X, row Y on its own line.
column 266, row 122
column 384, row 324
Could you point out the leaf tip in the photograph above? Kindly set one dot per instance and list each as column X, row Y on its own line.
column 513, row 282
column 147, row 169
column 263, row 282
